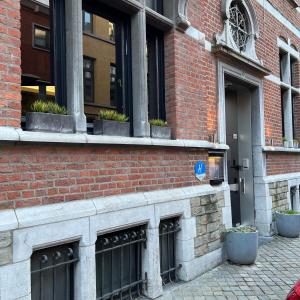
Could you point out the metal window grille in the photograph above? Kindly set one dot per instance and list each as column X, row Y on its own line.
column 119, row 264
column 168, row 230
column 52, row 272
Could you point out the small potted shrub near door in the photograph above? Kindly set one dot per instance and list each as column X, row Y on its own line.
column 241, row 245
column 285, row 142
column 288, row 223
column 110, row 122
column 49, row 117
column 159, row 129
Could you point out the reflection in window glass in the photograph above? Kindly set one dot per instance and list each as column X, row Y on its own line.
column 87, row 22
column 37, row 64
column 113, row 87
column 88, row 76
column 41, row 37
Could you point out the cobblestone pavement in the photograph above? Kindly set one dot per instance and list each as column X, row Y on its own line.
column 276, row 270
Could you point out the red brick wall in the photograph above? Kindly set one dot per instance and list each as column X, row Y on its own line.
column 10, row 97
column 282, row 163
column 36, row 174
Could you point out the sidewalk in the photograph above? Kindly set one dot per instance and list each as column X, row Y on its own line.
column 276, row 270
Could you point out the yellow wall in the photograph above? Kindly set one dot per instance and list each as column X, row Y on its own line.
column 104, row 54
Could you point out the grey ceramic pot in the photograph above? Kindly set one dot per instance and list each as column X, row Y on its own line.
column 108, row 127
column 45, row 122
column 241, row 247
column 288, row 225
column 160, row 132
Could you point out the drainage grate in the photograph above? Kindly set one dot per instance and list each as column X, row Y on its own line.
column 119, row 264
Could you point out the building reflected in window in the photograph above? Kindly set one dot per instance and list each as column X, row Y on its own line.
column 36, row 54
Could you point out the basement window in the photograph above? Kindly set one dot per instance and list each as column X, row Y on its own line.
column 119, row 260
column 168, row 230
column 52, row 272
column 43, row 72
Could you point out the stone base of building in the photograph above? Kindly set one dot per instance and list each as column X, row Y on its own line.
column 203, row 211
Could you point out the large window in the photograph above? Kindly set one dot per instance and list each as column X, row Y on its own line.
column 109, row 48
column 155, row 74
column 43, row 72
column 88, row 79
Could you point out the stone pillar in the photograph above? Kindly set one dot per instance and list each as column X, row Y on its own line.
column 288, row 116
column 74, row 68
column 151, row 264
column 141, row 127
column 85, row 274
column 296, row 204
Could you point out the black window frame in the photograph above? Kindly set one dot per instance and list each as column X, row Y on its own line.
column 156, row 86
column 92, row 61
column 123, row 55
column 158, row 6
column 48, row 37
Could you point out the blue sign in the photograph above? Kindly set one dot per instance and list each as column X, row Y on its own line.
column 200, row 170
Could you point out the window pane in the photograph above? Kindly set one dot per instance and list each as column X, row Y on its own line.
column 37, row 64
column 104, row 70
column 87, row 22
column 156, row 5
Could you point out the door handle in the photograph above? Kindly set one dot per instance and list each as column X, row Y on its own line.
column 243, row 185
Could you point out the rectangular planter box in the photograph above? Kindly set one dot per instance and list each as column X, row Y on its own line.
column 160, row 132
column 37, row 121
column 108, row 127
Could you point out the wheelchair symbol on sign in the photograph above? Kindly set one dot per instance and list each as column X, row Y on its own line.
column 200, row 170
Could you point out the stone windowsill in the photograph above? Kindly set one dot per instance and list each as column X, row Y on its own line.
column 18, row 135
column 280, row 149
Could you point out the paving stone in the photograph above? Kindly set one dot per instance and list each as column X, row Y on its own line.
column 276, row 270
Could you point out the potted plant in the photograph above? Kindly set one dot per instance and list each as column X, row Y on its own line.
column 285, row 142
column 241, row 245
column 159, row 129
column 110, row 122
column 48, row 116
column 295, row 143
column 288, row 223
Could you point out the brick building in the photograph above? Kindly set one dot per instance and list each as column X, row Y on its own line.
column 87, row 216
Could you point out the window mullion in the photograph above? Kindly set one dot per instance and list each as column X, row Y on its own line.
column 141, row 126
column 74, row 63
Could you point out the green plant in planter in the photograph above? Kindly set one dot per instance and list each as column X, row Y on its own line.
column 284, row 139
column 112, row 115
column 158, row 122
column 243, row 229
column 48, row 107
column 290, row 212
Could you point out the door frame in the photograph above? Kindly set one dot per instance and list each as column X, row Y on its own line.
column 258, row 129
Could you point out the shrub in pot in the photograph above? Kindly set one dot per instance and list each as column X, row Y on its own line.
column 48, row 116
column 110, row 122
column 285, row 142
column 159, row 129
column 241, row 245
column 288, row 223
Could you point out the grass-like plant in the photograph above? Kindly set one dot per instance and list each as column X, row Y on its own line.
column 291, row 212
column 48, row 107
column 158, row 122
column 112, row 115
column 243, row 229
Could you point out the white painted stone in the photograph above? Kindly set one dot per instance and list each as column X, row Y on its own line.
column 185, row 251
column 39, row 215
column 85, row 274
column 263, row 203
column 196, row 34
column 120, row 202
column 151, row 264
column 188, row 229
column 8, row 134
column 164, row 196
column 227, row 217
column 15, row 281
column 8, row 220
column 27, row 239
column 200, row 265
